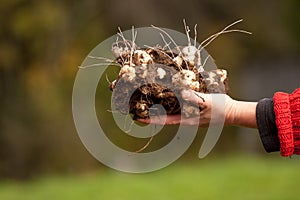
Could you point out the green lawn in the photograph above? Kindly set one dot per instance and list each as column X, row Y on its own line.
column 238, row 178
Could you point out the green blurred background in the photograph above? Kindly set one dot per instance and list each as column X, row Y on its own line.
column 43, row 42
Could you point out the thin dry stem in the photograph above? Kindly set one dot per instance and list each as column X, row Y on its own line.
column 206, row 59
column 160, row 51
column 187, row 30
column 98, row 64
column 146, row 145
column 102, row 58
column 133, row 37
column 195, row 36
column 123, row 38
column 172, row 40
column 108, row 81
column 130, row 126
column 167, row 44
column 211, row 38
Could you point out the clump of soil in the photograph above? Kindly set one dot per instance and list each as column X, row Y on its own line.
column 157, row 76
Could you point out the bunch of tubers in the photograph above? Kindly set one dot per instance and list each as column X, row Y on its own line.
column 155, row 75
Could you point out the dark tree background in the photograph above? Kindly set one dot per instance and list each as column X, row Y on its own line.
column 43, row 41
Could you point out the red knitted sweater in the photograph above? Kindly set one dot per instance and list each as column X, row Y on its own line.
column 287, row 113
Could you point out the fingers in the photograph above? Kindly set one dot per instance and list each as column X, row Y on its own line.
column 196, row 97
column 201, row 99
column 192, row 96
column 172, row 120
column 162, row 120
column 145, row 121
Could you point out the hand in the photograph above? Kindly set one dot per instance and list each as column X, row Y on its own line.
column 235, row 112
column 205, row 102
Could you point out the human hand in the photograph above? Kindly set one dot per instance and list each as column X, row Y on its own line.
column 205, row 102
column 225, row 110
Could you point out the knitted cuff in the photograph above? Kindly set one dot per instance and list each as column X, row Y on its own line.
column 284, row 123
column 295, row 116
column 265, row 118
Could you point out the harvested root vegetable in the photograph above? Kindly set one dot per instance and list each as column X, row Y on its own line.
column 158, row 75
column 154, row 76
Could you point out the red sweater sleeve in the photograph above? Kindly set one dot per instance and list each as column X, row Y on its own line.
column 287, row 114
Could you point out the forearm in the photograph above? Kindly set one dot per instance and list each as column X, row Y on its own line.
column 241, row 113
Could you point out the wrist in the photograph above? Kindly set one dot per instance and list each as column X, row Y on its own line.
column 230, row 112
column 240, row 113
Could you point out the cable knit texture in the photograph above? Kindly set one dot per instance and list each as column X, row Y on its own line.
column 287, row 112
column 295, row 114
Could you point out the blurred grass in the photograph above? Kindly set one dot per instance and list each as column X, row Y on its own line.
column 239, row 177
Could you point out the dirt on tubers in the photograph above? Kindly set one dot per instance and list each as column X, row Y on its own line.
column 154, row 75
